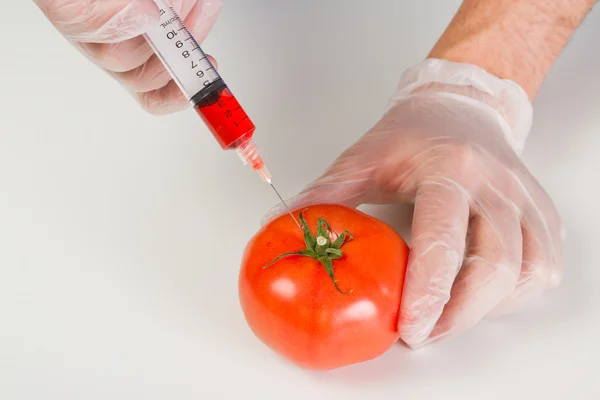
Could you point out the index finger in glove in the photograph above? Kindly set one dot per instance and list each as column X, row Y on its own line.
column 343, row 183
column 100, row 21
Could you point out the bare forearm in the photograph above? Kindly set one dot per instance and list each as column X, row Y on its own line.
column 513, row 39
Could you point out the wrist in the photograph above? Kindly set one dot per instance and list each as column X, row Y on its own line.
column 517, row 40
column 471, row 87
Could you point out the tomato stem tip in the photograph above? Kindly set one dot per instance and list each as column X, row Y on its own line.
column 320, row 248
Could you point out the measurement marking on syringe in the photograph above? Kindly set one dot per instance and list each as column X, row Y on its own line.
column 196, row 48
column 190, row 38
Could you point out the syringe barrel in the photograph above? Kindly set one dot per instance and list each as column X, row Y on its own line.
column 180, row 53
column 198, row 79
column 204, row 88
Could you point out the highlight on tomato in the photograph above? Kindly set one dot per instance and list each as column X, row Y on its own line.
column 325, row 295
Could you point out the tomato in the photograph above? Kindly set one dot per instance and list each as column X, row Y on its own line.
column 327, row 295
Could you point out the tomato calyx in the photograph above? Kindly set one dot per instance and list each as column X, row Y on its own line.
column 321, row 247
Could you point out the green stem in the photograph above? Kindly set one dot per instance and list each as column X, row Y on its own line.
column 320, row 248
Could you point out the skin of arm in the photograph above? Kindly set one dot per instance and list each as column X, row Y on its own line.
column 512, row 39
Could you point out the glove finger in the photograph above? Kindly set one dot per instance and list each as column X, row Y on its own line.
column 150, row 76
column 489, row 272
column 543, row 221
column 542, row 257
column 350, row 187
column 202, row 18
column 100, row 21
column 533, row 280
column 118, row 57
column 166, row 100
column 351, row 180
column 437, row 247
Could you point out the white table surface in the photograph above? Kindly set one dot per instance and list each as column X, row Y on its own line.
column 121, row 233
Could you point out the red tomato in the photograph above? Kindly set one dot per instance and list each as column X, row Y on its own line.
column 336, row 303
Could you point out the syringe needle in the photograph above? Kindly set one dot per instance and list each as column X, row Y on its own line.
column 249, row 155
column 286, row 206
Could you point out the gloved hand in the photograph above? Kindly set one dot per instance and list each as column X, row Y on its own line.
column 108, row 33
column 485, row 236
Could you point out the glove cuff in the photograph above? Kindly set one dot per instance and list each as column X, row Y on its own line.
column 505, row 98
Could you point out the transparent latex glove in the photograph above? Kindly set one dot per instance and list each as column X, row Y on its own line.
column 108, row 32
column 485, row 236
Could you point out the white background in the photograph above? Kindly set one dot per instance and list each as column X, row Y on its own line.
column 121, row 233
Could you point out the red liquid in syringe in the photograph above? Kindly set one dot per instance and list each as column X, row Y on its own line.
column 226, row 119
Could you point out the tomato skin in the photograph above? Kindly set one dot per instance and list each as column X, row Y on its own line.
column 293, row 306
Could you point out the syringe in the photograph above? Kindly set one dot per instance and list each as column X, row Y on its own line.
column 204, row 88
